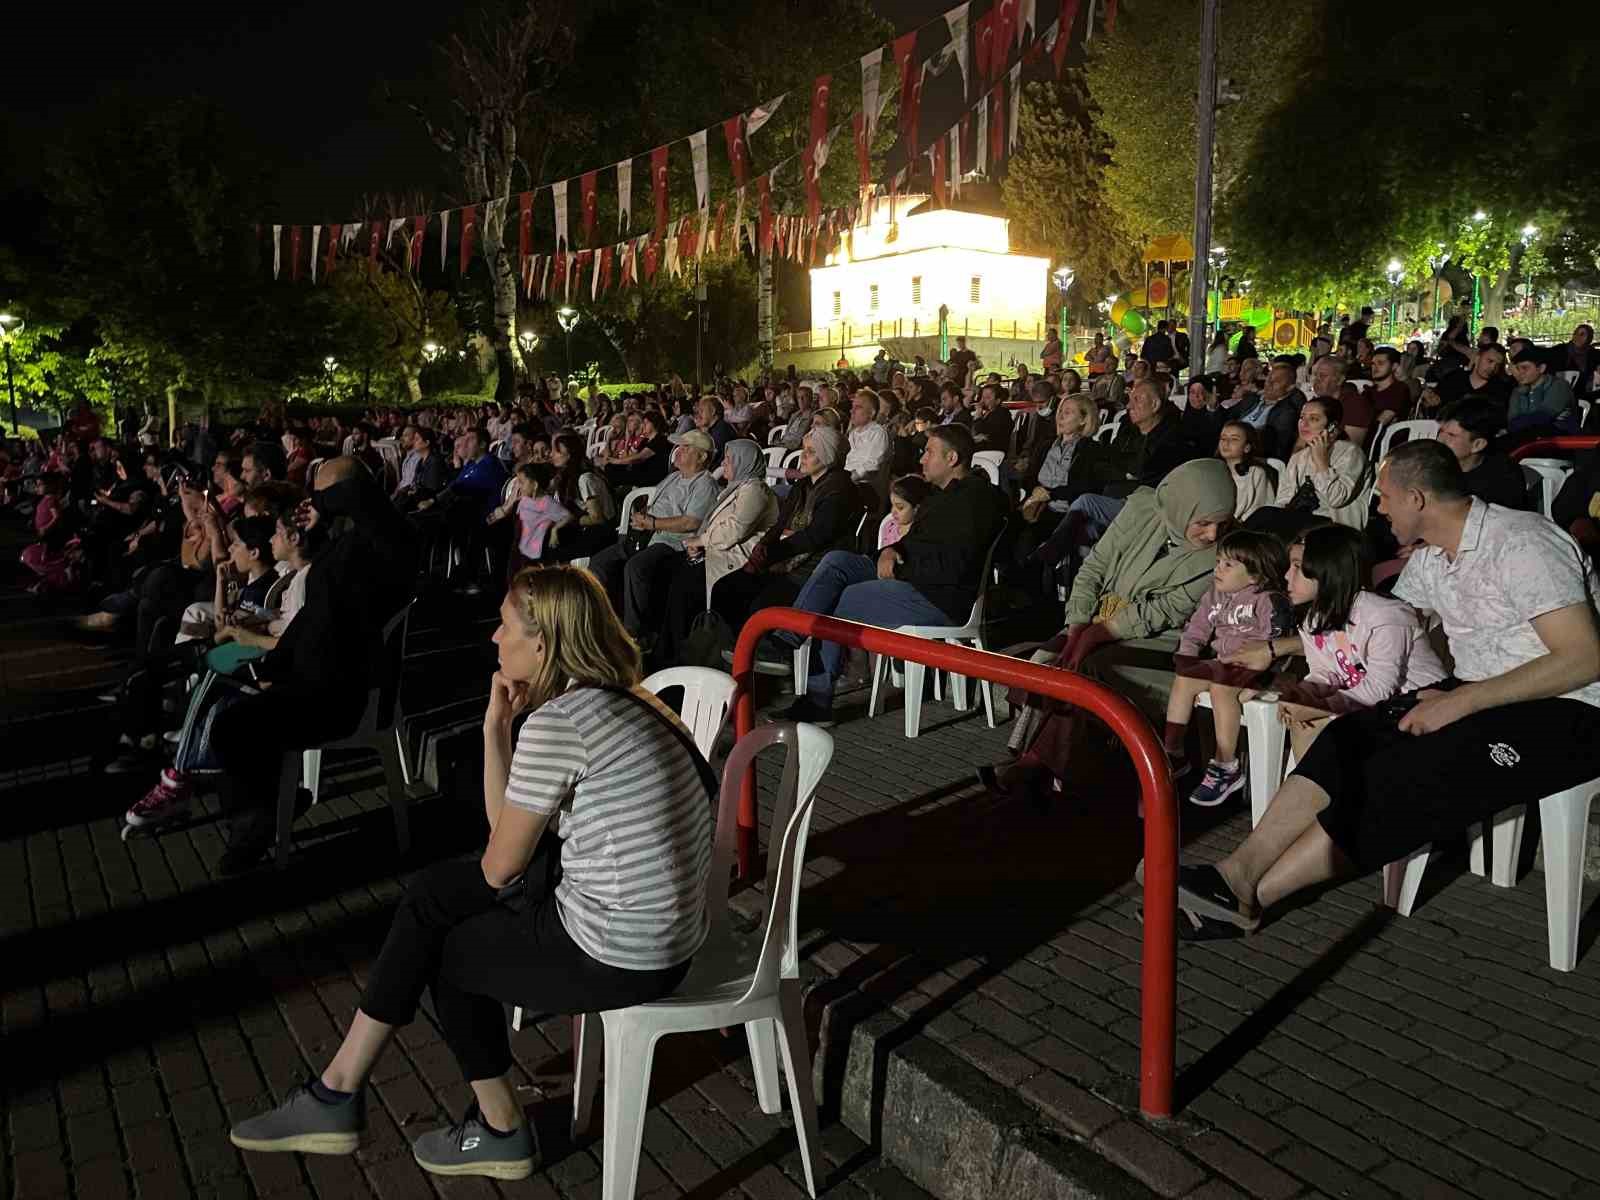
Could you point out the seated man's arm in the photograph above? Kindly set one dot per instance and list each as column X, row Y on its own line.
column 1573, row 662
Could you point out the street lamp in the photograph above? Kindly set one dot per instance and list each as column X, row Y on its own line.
column 329, row 364
column 430, row 351
column 1529, row 232
column 10, row 326
column 1396, row 274
column 1218, row 259
column 529, row 340
column 1063, row 277
column 568, row 319
column 1436, row 264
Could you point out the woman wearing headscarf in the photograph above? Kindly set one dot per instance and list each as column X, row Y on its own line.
column 821, row 513
column 1129, row 601
column 744, row 512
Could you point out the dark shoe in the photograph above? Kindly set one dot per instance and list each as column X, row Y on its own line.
column 236, row 860
column 809, row 711
column 1203, row 890
column 471, row 1148
column 304, row 1124
column 1192, row 927
column 1018, row 781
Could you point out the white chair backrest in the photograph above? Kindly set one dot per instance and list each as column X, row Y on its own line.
column 1412, row 429
column 791, row 459
column 1570, row 376
column 1545, row 477
column 1583, row 413
column 1360, row 385
column 984, row 579
column 505, row 490
column 775, row 456
column 647, row 494
column 311, row 472
column 348, row 443
column 775, row 435
column 1277, row 464
column 1106, row 432
column 707, row 696
column 809, row 752
column 988, row 461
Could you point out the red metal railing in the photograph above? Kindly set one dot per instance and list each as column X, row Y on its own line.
column 1158, row 978
column 1582, row 441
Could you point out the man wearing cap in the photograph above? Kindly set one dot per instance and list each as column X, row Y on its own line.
column 681, row 503
column 1543, row 403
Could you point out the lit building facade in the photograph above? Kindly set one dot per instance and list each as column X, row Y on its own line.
column 888, row 278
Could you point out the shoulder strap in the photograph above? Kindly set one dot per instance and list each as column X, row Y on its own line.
column 708, row 777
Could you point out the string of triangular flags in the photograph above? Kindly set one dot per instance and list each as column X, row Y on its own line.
column 982, row 49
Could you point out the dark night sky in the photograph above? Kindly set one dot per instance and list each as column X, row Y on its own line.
column 303, row 79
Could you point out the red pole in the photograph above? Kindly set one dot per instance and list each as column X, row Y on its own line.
column 1584, row 441
column 1158, row 971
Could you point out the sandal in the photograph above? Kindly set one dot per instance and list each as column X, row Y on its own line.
column 1203, row 890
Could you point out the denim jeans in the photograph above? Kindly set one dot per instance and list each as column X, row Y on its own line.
column 847, row 586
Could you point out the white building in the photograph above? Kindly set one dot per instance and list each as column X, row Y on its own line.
column 889, row 277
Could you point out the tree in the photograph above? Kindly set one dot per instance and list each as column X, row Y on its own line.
column 1053, row 193
column 1142, row 82
column 381, row 320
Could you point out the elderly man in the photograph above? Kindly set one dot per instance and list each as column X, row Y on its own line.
column 930, row 577
column 681, row 503
column 819, row 514
column 1518, row 723
column 870, row 444
column 1543, row 403
column 800, row 423
column 1275, row 412
column 709, row 420
column 991, row 424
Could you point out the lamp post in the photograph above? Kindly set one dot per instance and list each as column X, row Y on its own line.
column 10, row 326
column 430, row 351
column 1064, row 276
column 528, row 340
column 1529, row 232
column 329, row 365
column 1478, row 218
column 1436, row 264
column 1396, row 273
column 568, row 319
column 1218, row 256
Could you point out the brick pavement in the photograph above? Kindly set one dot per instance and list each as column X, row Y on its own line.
column 1341, row 1052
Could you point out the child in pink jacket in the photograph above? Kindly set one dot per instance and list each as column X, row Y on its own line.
column 1245, row 604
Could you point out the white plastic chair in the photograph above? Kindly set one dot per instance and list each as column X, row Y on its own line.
column 1266, row 742
column 1565, row 821
column 1413, row 429
column 1571, row 377
column 802, row 653
column 988, row 461
column 1360, row 385
column 1277, row 464
column 775, row 456
column 955, row 635
column 379, row 731
column 707, row 697
column 647, row 494
column 311, row 472
column 775, row 435
column 728, row 984
column 1547, row 475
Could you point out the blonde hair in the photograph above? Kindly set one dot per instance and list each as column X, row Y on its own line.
column 585, row 644
column 1087, row 408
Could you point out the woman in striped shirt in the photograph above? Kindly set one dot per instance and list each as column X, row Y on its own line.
column 613, row 923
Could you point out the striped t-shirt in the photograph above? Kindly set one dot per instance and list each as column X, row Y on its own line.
column 635, row 826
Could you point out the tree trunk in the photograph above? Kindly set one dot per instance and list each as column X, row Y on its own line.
column 764, row 305
column 619, row 343
column 413, row 382
column 1494, row 298
column 502, row 330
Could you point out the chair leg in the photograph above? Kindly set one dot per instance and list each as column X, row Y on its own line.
column 913, row 698
column 516, row 1018
column 1566, row 822
column 629, row 1049
column 311, row 773
column 1476, row 850
column 802, row 667
column 763, row 1039
column 394, row 777
column 797, row 1066
column 1402, row 880
column 878, row 664
column 586, row 1058
column 1265, row 736
column 400, row 747
column 288, row 780
column 1507, row 839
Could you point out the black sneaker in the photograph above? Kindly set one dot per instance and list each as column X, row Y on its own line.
column 472, row 1148
column 306, row 1125
column 809, row 711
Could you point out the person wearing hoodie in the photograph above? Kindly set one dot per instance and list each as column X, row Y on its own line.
column 312, row 686
column 1129, row 601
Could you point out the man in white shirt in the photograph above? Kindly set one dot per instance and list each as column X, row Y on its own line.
column 1521, row 720
column 870, row 444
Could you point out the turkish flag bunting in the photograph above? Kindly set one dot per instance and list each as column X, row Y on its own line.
column 607, row 257
column 658, row 180
column 584, row 257
column 983, row 42
column 1069, row 16
column 969, row 145
column 863, row 152
column 764, row 186
column 561, row 266
column 419, row 230
column 1111, row 17
column 904, row 47
column 333, row 246
column 941, row 169
column 469, row 228
column 530, row 268
column 733, row 134
column 997, row 124
column 294, row 253
column 1005, row 32
column 590, row 182
column 372, row 246
column 652, row 259
column 814, row 152
column 916, row 107
column 717, row 243
column 525, row 225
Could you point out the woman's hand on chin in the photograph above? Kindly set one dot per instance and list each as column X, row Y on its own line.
column 507, row 698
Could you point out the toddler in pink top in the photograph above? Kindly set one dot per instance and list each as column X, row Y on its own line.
column 1246, row 604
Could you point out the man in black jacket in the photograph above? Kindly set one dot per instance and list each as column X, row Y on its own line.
column 313, row 685
column 991, row 427
column 931, row 577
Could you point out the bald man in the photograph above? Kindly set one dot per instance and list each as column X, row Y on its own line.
column 313, row 685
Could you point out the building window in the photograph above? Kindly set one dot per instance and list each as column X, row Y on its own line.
column 872, row 296
column 837, row 307
column 916, row 289
column 976, row 296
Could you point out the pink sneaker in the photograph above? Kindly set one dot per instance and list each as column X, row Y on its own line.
column 168, row 800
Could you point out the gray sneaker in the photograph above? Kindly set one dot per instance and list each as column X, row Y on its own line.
column 305, row 1124
column 469, row 1148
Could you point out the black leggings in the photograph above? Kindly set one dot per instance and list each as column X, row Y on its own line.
column 453, row 935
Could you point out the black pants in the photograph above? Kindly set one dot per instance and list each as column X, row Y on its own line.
column 250, row 739
column 164, row 592
column 454, row 936
column 1391, row 793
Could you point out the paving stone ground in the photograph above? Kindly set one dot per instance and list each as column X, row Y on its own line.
column 1341, row 1052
